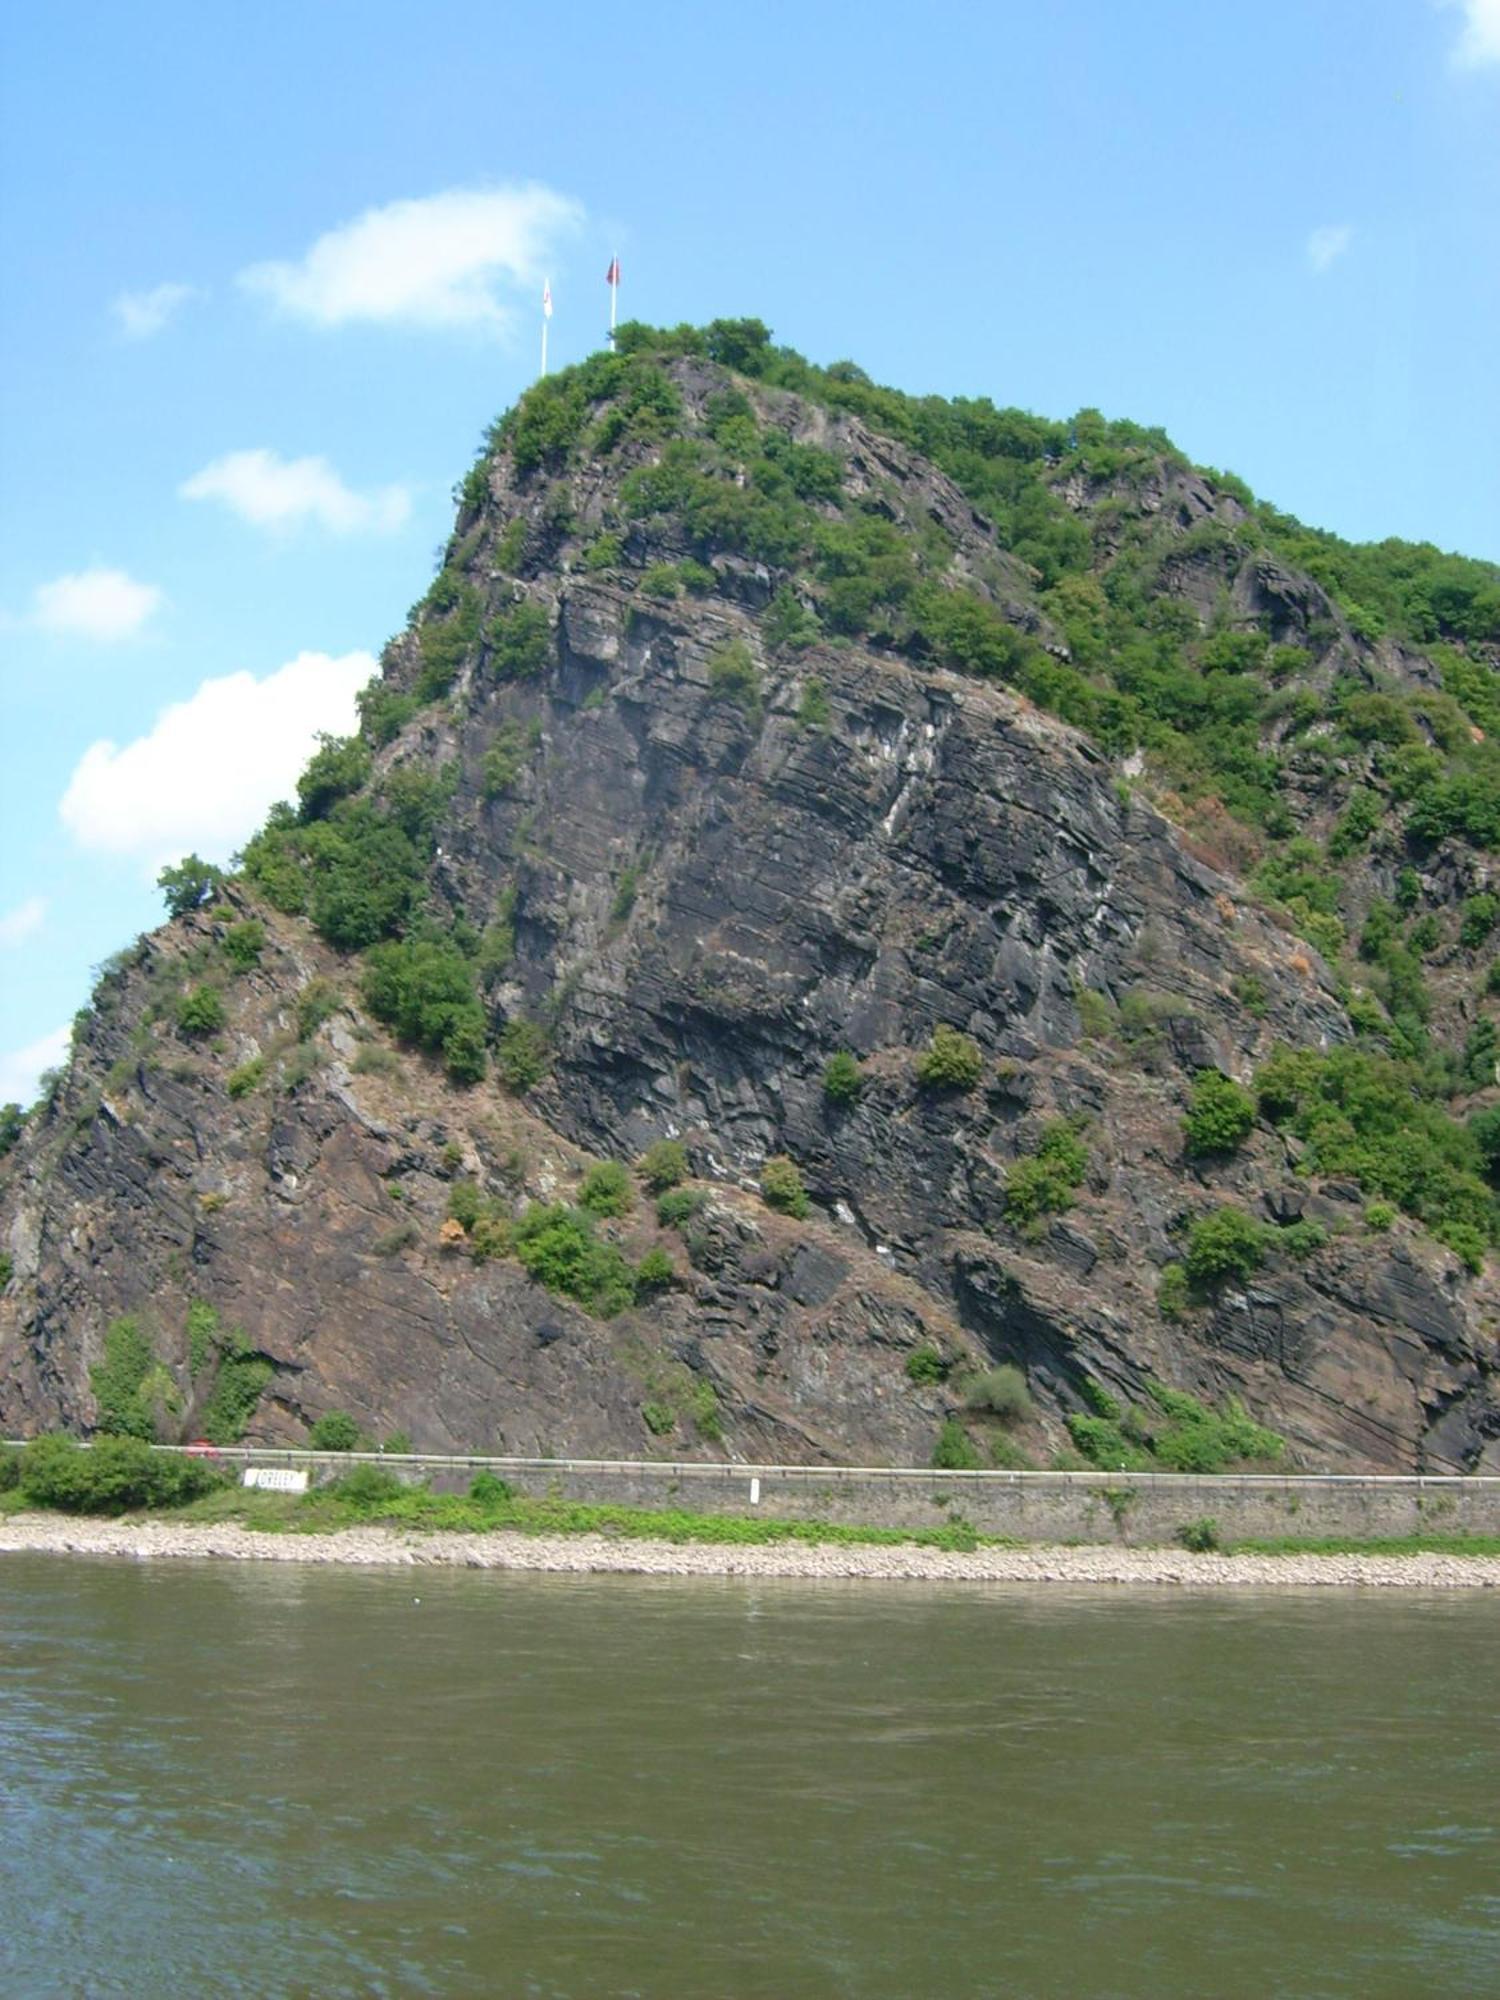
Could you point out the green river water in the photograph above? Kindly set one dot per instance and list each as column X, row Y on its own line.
column 273, row 1781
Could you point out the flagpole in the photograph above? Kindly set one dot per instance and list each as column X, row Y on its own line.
column 546, row 319
column 544, row 344
column 614, row 299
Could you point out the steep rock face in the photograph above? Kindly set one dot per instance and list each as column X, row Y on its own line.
column 712, row 883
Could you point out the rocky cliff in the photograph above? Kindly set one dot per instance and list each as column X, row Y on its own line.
column 719, row 749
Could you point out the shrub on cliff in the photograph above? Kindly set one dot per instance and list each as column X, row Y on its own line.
column 524, row 1056
column 1042, row 1182
column 200, row 1011
column 663, row 1165
column 843, row 1079
column 520, row 642
column 605, row 1189
column 335, row 1430
column 925, row 1366
column 955, row 1450
column 781, row 1187
column 558, row 1246
column 655, row 1273
column 734, row 677
column 237, row 1390
column 1001, row 1392
column 1371, row 1119
column 424, row 989
column 1220, row 1115
column 340, row 765
column 244, row 943
column 1225, row 1245
column 951, row 1061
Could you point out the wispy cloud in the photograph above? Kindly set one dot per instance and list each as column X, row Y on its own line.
column 24, row 921
column 203, row 776
column 1478, row 46
column 283, row 493
column 21, row 1070
column 1325, row 246
column 440, row 261
column 142, row 314
column 100, row 604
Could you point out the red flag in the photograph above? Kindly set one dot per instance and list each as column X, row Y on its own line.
column 612, row 275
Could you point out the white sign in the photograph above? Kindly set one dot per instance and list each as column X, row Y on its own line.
column 276, row 1478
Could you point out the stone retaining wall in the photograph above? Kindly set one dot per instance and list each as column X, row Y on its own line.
column 1136, row 1508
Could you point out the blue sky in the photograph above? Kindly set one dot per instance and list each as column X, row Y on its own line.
column 269, row 272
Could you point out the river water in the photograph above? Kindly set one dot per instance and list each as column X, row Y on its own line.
column 235, row 1780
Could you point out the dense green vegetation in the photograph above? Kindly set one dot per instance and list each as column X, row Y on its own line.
column 1176, row 1434
column 115, row 1475
column 138, row 1397
column 135, row 1393
column 424, row 989
column 1366, row 1117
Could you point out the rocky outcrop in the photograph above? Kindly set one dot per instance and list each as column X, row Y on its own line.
column 711, row 889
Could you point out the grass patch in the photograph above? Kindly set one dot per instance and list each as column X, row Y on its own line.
column 1394, row 1545
column 488, row 1507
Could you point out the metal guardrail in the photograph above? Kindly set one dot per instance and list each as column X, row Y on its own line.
column 698, row 1469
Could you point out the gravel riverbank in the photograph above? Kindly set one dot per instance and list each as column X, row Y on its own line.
column 55, row 1534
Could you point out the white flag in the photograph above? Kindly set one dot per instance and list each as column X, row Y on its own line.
column 547, row 300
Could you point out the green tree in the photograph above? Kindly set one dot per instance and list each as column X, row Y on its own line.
column 340, row 765
column 425, row 990
column 743, row 344
column 189, row 885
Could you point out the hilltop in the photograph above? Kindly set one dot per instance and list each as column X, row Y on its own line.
column 853, row 926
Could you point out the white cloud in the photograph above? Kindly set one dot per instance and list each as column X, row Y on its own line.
column 141, row 314
column 24, row 921
column 102, row 604
column 1326, row 245
column 21, row 1069
column 274, row 492
column 433, row 262
column 201, row 780
column 1479, row 44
